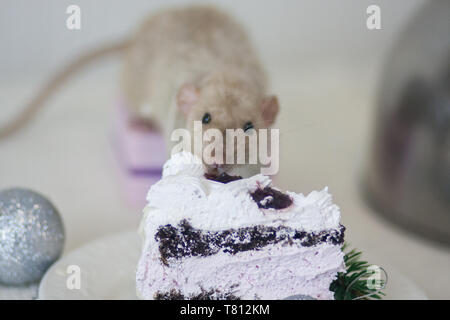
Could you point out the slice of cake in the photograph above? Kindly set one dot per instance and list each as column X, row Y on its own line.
column 224, row 237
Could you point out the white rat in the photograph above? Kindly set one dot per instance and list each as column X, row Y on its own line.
column 181, row 65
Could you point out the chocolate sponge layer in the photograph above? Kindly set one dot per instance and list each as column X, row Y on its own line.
column 212, row 294
column 183, row 240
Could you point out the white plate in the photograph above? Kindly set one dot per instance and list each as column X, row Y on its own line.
column 107, row 271
column 19, row 293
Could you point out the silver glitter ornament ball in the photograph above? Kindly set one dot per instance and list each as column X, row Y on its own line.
column 31, row 236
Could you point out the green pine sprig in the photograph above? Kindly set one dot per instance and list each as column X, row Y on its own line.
column 353, row 283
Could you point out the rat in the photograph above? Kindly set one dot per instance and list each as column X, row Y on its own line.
column 182, row 65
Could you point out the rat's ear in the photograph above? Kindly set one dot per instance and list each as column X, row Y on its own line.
column 269, row 110
column 187, row 97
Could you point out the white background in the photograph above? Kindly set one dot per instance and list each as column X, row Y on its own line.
column 34, row 37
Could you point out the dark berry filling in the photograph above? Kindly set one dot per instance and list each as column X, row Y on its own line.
column 176, row 242
column 213, row 294
column 222, row 177
column 270, row 198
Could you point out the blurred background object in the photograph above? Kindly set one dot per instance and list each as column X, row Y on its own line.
column 408, row 178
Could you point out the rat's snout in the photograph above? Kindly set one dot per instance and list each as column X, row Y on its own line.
column 221, row 153
column 215, row 168
column 211, row 169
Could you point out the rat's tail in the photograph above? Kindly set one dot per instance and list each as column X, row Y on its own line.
column 38, row 100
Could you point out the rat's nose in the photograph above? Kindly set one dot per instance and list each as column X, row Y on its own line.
column 217, row 165
column 215, row 168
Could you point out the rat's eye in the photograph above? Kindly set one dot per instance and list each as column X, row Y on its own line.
column 248, row 126
column 206, row 118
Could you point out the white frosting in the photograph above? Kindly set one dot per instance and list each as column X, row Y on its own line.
column 183, row 163
column 273, row 272
column 184, row 193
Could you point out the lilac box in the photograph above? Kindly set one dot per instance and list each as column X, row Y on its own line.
column 141, row 153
